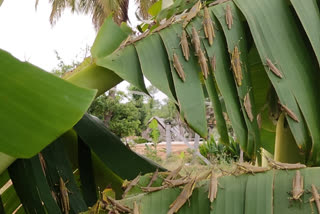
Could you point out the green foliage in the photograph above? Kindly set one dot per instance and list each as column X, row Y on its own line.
column 151, row 150
column 155, row 8
column 154, row 134
column 38, row 107
column 219, row 151
column 152, row 57
column 63, row 67
column 142, row 109
column 120, row 117
column 139, row 140
column 168, row 110
column 152, row 153
column 246, row 193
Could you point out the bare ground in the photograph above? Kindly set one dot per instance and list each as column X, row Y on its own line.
column 176, row 148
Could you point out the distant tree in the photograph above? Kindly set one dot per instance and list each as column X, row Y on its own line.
column 167, row 110
column 137, row 98
column 155, row 133
column 120, row 117
column 62, row 66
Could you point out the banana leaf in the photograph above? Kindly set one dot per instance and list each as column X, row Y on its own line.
column 110, row 150
column 267, row 192
column 38, row 108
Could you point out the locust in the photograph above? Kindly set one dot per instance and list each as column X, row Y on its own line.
column 289, row 112
column 118, row 206
column 297, row 186
column 273, row 68
column 259, row 120
column 178, row 182
column 208, row 27
column 154, row 178
column 174, row 173
column 229, row 18
column 100, row 205
column 247, row 106
column 315, row 197
column 64, row 196
column 236, row 65
column 192, row 13
column 177, row 65
column 203, row 64
column 204, row 175
column 184, row 45
column 43, row 163
column 54, row 196
column 248, row 168
column 195, row 40
column 218, row 2
column 183, row 197
column 133, row 183
column 213, row 187
column 213, row 63
column 278, row 165
column 152, row 189
column 135, row 208
column 164, row 25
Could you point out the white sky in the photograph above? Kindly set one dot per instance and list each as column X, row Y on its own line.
column 27, row 34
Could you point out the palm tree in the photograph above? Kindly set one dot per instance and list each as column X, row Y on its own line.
column 99, row 9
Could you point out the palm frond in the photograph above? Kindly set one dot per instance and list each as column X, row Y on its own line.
column 57, row 7
column 144, row 6
column 124, row 5
column 99, row 9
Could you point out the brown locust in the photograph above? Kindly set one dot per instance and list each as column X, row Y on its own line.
column 236, row 65
column 273, row 68
column 208, row 26
column 177, row 65
column 229, row 18
column 185, row 45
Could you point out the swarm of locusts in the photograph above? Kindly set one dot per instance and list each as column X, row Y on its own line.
column 209, row 34
column 173, row 179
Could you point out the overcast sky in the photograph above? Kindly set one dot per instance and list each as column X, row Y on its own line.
column 27, row 34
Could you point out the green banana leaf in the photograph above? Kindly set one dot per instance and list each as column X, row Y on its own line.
column 121, row 62
column 88, row 185
column 235, row 37
column 267, row 192
column 211, row 86
column 104, row 53
column 280, row 40
column 37, row 107
column 11, row 201
column 155, row 65
column 89, row 75
column 108, row 39
column 189, row 92
column 33, row 189
column 103, row 176
column 58, row 166
column 111, row 151
column 283, row 37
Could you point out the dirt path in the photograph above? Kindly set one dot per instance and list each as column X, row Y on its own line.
column 176, row 148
